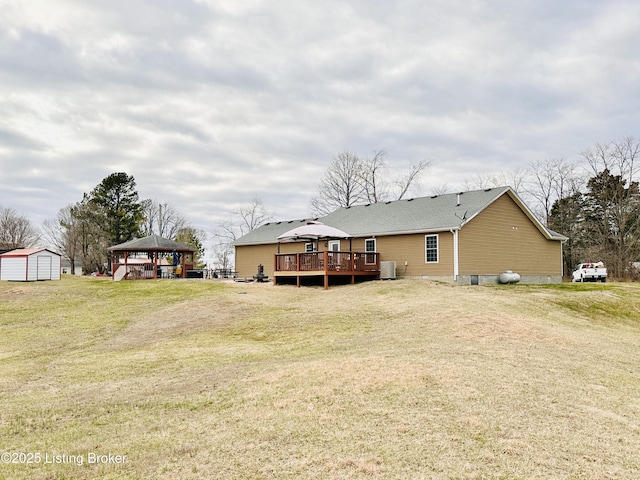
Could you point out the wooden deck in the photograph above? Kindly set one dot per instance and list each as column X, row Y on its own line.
column 326, row 264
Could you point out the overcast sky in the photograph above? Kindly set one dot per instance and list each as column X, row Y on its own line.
column 210, row 103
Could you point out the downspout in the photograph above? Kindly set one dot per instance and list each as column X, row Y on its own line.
column 562, row 242
column 454, row 232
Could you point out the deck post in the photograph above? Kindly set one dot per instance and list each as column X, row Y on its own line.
column 326, row 269
column 155, row 264
column 275, row 267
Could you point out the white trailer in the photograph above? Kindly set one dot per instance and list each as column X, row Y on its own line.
column 30, row 265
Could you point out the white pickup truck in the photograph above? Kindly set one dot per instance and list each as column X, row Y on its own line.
column 589, row 272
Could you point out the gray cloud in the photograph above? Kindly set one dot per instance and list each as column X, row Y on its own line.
column 212, row 103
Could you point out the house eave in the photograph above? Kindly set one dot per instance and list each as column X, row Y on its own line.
column 407, row 232
column 425, row 231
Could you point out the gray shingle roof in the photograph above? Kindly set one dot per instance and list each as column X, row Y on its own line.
column 269, row 232
column 424, row 214
column 438, row 212
column 152, row 242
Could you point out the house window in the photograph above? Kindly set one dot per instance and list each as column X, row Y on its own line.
column 334, row 245
column 308, row 247
column 431, row 248
column 370, row 249
column 370, row 245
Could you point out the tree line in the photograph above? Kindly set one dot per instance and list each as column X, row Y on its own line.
column 110, row 214
column 602, row 218
column 594, row 202
column 16, row 230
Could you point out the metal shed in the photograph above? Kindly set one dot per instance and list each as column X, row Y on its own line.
column 30, row 265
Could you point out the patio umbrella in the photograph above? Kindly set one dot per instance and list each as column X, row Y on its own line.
column 313, row 231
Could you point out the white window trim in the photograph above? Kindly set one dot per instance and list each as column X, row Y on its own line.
column 437, row 248
column 307, row 249
column 375, row 248
column 375, row 245
column 332, row 243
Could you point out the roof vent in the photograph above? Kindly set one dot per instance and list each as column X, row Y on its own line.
column 434, row 196
column 410, row 200
column 488, row 189
column 387, row 203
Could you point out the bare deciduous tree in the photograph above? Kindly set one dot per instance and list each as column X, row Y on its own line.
column 162, row 219
column 551, row 180
column 341, row 185
column 441, row 189
column 252, row 215
column 245, row 219
column 375, row 189
column 404, row 182
column 512, row 178
column 619, row 157
column 63, row 235
column 16, row 231
column 626, row 152
column 350, row 180
column 223, row 255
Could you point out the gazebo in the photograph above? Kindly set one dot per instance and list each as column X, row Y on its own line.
column 150, row 257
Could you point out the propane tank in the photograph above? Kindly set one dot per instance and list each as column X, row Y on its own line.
column 509, row 277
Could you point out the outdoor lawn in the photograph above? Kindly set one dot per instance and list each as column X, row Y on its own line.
column 406, row 379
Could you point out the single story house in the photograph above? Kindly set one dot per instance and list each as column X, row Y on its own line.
column 30, row 265
column 467, row 238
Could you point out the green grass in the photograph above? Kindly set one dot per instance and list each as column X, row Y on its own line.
column 405, row 379
column 597, row 302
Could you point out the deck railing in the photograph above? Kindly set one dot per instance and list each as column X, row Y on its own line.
column 147, row 271
column 338, row 262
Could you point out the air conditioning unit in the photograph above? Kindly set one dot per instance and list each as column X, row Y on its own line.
column 387, row 270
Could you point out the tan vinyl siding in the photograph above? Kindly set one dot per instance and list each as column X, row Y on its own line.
column 411, row 249
column 503, row 238
column 248, row 257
